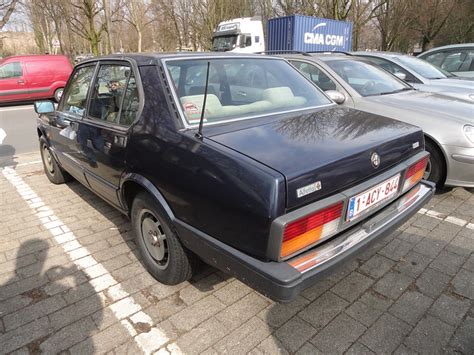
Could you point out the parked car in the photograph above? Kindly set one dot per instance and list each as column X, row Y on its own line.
column 457, row 59
column 421, row 74
column 237, row 159
column 447, row 123
column 33, row 77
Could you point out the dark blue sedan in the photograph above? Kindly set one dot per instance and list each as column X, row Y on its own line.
column 238, row 160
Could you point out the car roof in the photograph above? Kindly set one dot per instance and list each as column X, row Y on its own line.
column 324, row 56
column 449, row 46
column 380, row 53
column 150, row 58
column 35, row 57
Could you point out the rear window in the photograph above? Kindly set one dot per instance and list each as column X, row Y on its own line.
column 240, row 88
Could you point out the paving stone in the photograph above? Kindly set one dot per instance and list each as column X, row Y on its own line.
column 461, row 245
column 469, row 264
column 359, row 349
column 432, row 282
column 412, row 264
column 338, row 335
column 202, row 336
column 24, row 335
column 393, row 284
column 188, row 318
column 294, row 334
column 32, row 312
column 277, row 314
column 317, row 289
column 22, row 286
column 450, row 309
column 429, row 247
column 463, row 283
column 165, row 308
column 308, row 349
column 396, row 249
column 232, row 292
column 244, row 338
column 14, row 304
column 385, row 335
column 323, row 310
column 447, row 262
column 404, row 350
column 351, row 287
column 411, row 306
column 242, row 310
column 270, row 345
column 426, row 222
column 103, row 341
column 463, row 341
column 430, row 336
column 376, row 300
column 200, row 289
column 376, row 266
column 363, row 313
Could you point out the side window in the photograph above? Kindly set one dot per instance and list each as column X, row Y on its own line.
column 392, row 68
column 436, row 58
column 453, row 61
column 108, row 92
column 313, row 73
column 11, row 70
column 130, row 103
column 75, row 97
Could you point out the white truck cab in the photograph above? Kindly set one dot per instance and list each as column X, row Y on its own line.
column 241, row 35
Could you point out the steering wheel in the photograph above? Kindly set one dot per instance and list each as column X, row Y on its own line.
column 368, row 86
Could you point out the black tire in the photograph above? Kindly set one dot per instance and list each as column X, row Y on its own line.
column 166, row 260
column 436, row 168
column 51, row 167
column 58, row 93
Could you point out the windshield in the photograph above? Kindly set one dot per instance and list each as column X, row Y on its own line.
column 365, row 78
column 240, row 88
column 425, row 69
column 224, row 43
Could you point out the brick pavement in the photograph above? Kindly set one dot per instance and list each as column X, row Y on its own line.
column 412, row 292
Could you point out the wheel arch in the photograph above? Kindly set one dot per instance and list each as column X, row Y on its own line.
column 132, row 184
column 437, row 145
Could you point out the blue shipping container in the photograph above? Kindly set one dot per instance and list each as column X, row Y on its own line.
column 306, row 34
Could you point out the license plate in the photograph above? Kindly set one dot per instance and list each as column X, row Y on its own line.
column 371, row 197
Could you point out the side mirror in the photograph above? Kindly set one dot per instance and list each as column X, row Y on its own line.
column 44, row 107
column 400, row 75
column 336, row 96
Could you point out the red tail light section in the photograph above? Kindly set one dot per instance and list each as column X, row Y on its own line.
column 415, row 173
column 309, row 229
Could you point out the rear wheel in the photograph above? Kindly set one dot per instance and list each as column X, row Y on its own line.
column 52, row 169
column 160, row 249
column 58, row 93
column 436, row 167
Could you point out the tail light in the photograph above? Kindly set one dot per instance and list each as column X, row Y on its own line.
column 414, row 173
column 309, row 229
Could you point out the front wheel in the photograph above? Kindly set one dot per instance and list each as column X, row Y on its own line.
column 51, row 167
column 436, row 167
column 160, row 249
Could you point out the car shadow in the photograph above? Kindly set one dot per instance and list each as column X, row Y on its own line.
column 7, row 156
column 42, row 303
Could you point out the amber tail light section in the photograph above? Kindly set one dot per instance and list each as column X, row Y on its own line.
column 415, row 173
column 311, row 228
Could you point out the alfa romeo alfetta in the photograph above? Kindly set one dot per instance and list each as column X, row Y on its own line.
column 238, row 160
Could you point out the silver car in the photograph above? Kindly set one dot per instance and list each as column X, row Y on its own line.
column 421, row 74
column 458, row 59
column 448, row 123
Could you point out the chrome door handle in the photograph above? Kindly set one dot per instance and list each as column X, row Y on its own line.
column 20, row 81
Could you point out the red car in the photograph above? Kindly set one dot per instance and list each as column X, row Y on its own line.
column 32, row 77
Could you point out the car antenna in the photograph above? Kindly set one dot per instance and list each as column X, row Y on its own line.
column 199, row 132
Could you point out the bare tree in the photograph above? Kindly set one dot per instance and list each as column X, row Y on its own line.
column 6, row 10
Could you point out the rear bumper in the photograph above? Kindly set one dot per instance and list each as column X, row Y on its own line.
column 283, row 281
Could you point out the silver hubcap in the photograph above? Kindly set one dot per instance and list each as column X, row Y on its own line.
column 154, row 238
column 48, row 160
column 427, row 171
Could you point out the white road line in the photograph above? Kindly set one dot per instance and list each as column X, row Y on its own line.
column 124, row 306
column 450, row 219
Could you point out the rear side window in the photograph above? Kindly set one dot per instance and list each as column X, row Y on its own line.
column 75, row 97
column 114, row 97
column 11, row 70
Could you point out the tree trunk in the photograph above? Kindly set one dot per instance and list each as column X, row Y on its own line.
column 8, row 13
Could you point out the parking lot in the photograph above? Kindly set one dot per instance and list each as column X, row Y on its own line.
column 70, row 280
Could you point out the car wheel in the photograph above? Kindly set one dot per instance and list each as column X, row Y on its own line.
column 160, row 249
column 57, row 94
column 52, row 169
column 436, row 167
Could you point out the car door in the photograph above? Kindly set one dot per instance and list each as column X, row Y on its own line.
column 103, row 134
column 321, row 78
column 13, row 84
column 65, row 121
